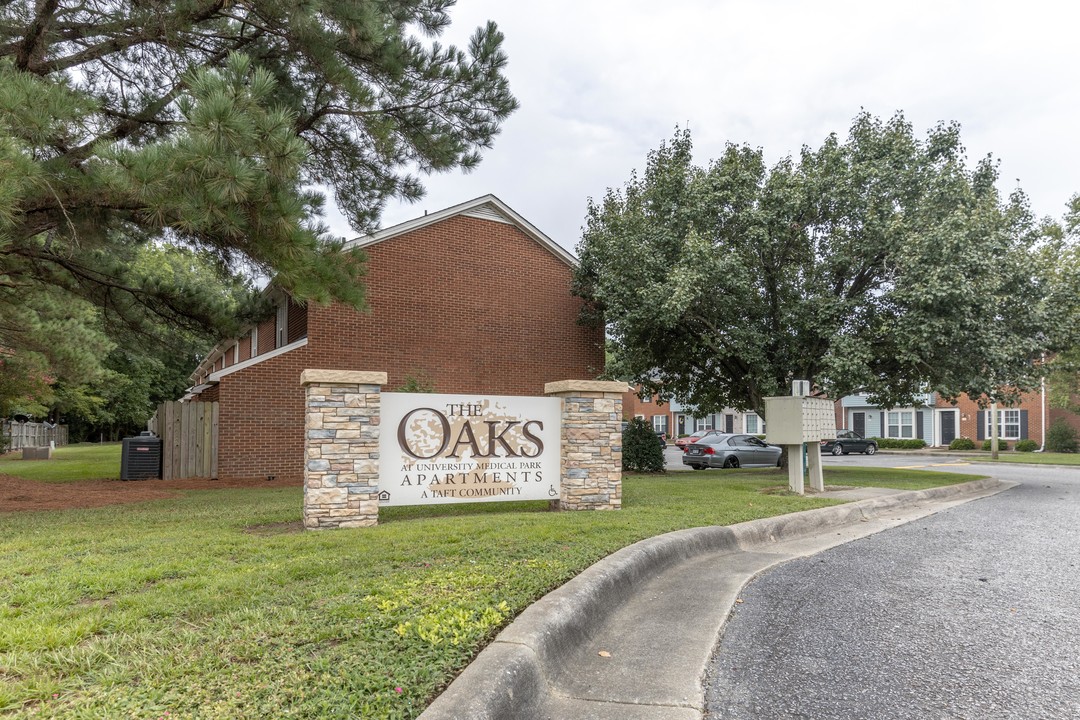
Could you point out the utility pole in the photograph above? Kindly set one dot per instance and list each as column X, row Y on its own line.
column 993, row 431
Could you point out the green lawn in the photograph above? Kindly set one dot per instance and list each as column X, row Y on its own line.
column 83, row 461
column 885, row 477
column 1035, row 458
column 211, row 606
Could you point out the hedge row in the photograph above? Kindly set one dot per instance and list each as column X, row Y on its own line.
column 897, row 444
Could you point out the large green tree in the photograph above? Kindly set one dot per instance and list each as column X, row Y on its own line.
column 205, row 124
column 1060, row 255
column 880, row 263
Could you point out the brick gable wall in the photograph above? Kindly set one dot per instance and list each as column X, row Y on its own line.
column 475, row 305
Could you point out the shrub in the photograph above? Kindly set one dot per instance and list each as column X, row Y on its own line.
column 900, row 444
column 1002, row 445
column 417, row 381
column 641, row 450
column 962, row 443
column 1061, row 437
column 1027, row 446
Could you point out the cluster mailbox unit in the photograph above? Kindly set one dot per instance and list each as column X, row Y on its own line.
column 796, row 422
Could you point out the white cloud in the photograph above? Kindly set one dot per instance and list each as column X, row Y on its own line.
column 602, row 83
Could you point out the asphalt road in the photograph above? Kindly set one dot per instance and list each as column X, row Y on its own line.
column 970, row 613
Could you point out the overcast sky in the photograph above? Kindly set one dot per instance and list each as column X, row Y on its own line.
column 601, row 83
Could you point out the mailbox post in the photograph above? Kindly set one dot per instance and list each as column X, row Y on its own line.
column 795, row 422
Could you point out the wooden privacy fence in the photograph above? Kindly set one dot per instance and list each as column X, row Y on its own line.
column 188, row 433
column 34, row 434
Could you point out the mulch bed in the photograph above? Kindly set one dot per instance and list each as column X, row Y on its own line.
column 18, row 494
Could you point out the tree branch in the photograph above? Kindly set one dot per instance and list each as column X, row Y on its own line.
column 31, row 44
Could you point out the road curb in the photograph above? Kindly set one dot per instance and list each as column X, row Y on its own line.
column 508, row 678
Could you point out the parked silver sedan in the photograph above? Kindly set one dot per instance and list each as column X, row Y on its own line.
column 731, row 451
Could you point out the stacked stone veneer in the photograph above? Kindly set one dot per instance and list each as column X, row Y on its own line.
column 341, row 447
column 591, row 443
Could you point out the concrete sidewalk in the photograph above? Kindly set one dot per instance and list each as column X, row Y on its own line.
column 631, row 636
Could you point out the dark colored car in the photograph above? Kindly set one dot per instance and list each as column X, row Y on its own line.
column 731, row 451
column 848, row 441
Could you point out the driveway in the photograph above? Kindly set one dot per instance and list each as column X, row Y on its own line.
column 970, row 613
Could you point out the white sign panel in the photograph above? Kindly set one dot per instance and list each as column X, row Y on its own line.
column 468, row 448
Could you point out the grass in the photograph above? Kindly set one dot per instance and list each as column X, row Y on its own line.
column 208, row 606
column 892, row 478
column 1033, row 458
column 82, row 461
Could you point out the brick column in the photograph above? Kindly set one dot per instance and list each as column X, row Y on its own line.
column 591, row 443
column 341, row 448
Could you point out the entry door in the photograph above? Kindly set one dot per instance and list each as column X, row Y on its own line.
column 948, row 426
column 729, row 423
column 682, row 424
column 858, row 423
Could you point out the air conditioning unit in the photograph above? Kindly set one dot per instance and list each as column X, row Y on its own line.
column 140, row 457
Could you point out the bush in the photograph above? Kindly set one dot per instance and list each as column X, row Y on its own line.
column 1061, row 437
column 1002, row 445
column 1027, row 446
column 962, row 443
column 641, row 450
column 900, row 444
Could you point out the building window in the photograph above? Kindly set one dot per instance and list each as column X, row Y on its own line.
column 282, row 326
column 647, row 399
column 700, row 424
column 659, row 423
column 901, row 424
column 1008, row 424
column 753, row 424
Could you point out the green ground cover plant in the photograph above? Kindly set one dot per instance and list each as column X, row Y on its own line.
column 82, row 461
column 1035, row 458
column 893, row 478
column 214, row 605
column 899, row 443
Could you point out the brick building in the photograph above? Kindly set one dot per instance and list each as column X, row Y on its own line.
column 472, row 298
column 674, row 420
column 939, row 422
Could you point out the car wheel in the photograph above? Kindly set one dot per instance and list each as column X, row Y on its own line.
column 837, row 449
column 731, row 462
column 780, row 461
column 871, row 449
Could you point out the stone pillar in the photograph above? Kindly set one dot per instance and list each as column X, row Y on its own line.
column 341, row 448
column 591, row 443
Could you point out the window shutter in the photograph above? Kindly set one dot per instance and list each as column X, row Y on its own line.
column 1023, row 424
column 882, row 428
column 918, row 425
column 980, row 423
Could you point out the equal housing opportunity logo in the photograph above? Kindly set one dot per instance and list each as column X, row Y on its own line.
column 468, row 448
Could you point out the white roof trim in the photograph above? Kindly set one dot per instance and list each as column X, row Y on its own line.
column 487, row 207
column 216, row 377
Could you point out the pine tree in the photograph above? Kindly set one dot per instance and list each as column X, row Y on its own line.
column 204, row 125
